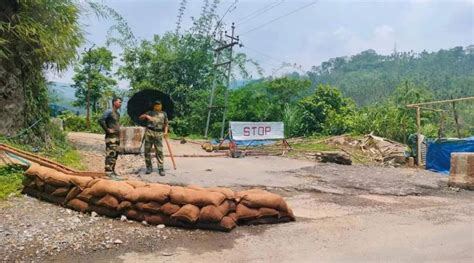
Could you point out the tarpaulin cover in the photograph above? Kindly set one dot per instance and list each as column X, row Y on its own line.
column 247, row 142
column 438, row 157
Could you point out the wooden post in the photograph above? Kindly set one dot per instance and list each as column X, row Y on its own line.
column 418, row 136
column 456, row 119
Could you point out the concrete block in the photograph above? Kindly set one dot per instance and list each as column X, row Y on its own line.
column 462, row 170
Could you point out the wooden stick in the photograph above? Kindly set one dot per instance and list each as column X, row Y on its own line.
column 169, row 150
column 436, row 102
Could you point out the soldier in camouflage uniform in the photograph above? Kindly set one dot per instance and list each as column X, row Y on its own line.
column 157, row 127
column 110, row 123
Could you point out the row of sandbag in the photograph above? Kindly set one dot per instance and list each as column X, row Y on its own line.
column 190, row 207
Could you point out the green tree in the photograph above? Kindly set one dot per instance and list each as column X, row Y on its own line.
column 326, row 112
column 92, row 78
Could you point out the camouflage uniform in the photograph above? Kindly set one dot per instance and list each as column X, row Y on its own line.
column 154, row 136
column 110, row 120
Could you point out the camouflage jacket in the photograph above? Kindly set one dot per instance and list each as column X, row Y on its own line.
column 110, row 120
column 158, row 120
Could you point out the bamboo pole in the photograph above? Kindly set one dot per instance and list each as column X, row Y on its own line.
column 418, row 136
column 437, row 102
column 169, row 150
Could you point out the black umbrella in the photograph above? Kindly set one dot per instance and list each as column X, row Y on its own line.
column 142, row 101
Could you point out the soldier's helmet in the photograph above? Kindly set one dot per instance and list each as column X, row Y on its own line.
column 157, row 101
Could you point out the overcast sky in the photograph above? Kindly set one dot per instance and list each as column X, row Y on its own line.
column 311, row 35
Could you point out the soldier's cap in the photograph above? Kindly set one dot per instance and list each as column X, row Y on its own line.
column 156, row 102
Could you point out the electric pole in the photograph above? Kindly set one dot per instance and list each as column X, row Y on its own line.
column 223, row 45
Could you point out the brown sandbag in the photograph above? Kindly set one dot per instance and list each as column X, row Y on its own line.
column 61, row 192
column 136, row 183
column 268, row 212
column 226, row 206
column 227, row 223
column 169, row 209
column 56, row 178
column 257, row 200
column 196, row 187
column 85, row 195
column 151, row 207
column 32, row 171
column 28, row 181
column 93, row 182
column 48, row 188
column 188, row 213
column 233, row 216
column 229, row 194
column 210, row 214
column 81, row 181
column 43, row 196
column 246, row 213
column 289, row 214
column 104, row 211
column 153, row 192
column 108, row 201
column 182, row 196
column 78, row 205
column 39, row 184
column 73, row 193
column 136, row 215
column 116, row 188
column 139, row 206
column 158, row 219
column 124, row 205
column 239, row 195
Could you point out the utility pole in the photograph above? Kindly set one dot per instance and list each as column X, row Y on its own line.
column 88, row 96
column 223, row 45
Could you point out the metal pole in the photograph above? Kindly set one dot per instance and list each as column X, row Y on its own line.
column 418, row 136
column 214, row 82
column 229, row 70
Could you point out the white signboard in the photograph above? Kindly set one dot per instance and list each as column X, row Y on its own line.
column 256, row 130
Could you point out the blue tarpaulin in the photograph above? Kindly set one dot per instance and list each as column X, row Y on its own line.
column 438, row 157
column 247, row 143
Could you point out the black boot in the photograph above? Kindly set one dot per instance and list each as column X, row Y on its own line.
column 148, row 170
column 161, row 171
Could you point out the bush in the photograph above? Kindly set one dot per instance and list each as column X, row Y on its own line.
column 10, row 180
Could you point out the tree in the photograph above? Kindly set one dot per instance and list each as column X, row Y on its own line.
column 326, row 112
column 92, row 78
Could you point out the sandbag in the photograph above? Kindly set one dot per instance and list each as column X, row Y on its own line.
column 188, row 213
column 78, row 205
column 225, row 207
column 182, row 196
column 239, row 195
column 289, row 214
column 229, row 194
column 32, row 170
column 81, row 181
column 93, row 182
column 108, row 201
column 124, row 205
column 266, row 220
column 136, row 215
column 28, row 181
column 73, row 193
column 246, row 213
column 233, row 216
column 227, row 223
column 210, row 214
column 47, row 188
column 153, row 192
column 104, row 211
column 136, row 183
column 158, row 219
column 116, row 188
column 267, row 199
column 268, row 212
column 61, row 192
column 39, row 184
column 169, row 209
column 85, row 195
column 43, row 196
column 151, row 207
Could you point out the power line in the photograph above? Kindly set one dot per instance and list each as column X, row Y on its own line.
column 225, row 13
column 278, row 18
column 259, row 12
column 263, row 54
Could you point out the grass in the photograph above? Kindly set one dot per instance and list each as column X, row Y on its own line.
column 10, row 181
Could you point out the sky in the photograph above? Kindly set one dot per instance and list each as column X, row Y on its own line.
column 303, row 33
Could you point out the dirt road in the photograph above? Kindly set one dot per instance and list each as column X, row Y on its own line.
column 344, row 213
